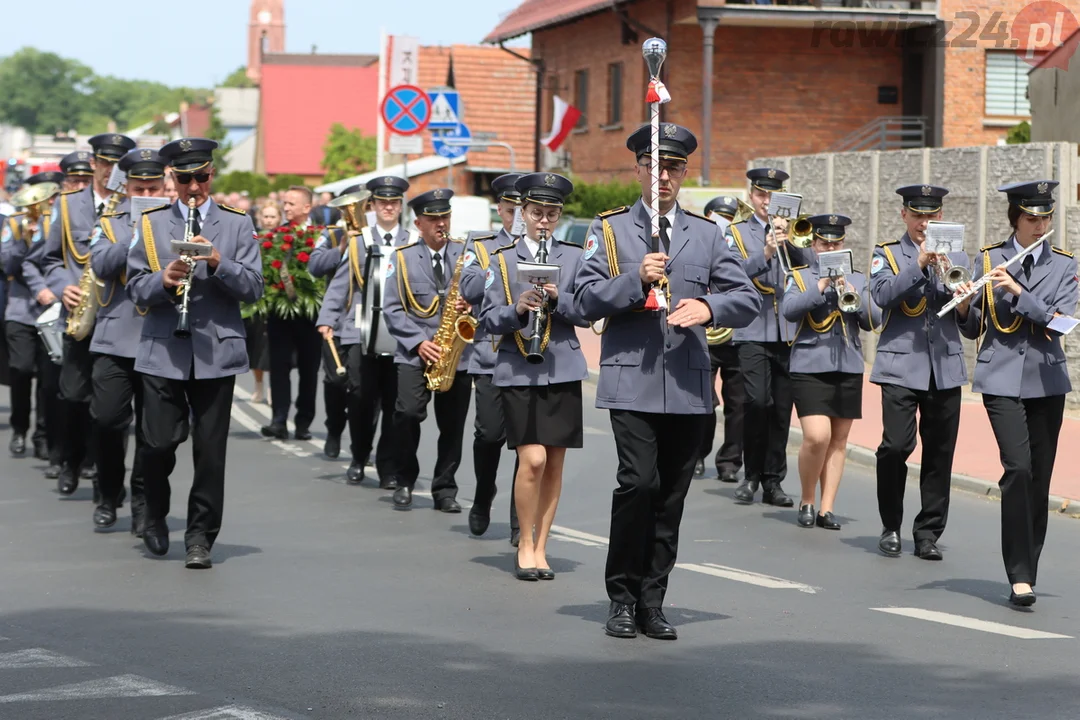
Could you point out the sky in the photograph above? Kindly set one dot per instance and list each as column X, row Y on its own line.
column 197, row 43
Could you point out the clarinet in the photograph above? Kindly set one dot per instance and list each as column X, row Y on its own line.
column 535, row 357
column 183, row 326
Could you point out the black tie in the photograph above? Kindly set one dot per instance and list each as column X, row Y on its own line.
column 100, row 208
column 196, row 228
column 388, row 239
column 665, row 236
column 1028, row 262
column 440, row 279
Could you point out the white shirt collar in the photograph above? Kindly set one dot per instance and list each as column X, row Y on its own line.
column 98, row 200
column 1036, row 254
column 759, row 221
column 202, row 209
column 532, row 245
column 382, row 233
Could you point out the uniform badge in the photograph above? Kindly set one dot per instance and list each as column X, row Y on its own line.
column 5, row 236
column 489, row 278
column 790, row 283
column 549, row 180
column 730, row 237
column 146, row 154
column 591, row 246
column 927, row 191
column 185, row 145
column 469, row 257
column 320, row 242
column 1042, row 188
column 96, row 236
column 437, row 194
column 876, row 265
column 389, row 269
column 670, row 130
column 771, row 173
column 134, row 240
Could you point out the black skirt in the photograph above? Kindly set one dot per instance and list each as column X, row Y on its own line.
column 543, row 415
column 832, row 394
column 258, row 349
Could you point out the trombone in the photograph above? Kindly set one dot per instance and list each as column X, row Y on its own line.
column 800, row 235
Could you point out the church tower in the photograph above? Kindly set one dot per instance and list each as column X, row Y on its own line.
column 266, row 34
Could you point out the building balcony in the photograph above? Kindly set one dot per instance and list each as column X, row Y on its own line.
column 820, row 14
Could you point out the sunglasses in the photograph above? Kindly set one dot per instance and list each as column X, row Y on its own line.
column 186, row 178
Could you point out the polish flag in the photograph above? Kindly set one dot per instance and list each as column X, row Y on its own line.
column 562, row 122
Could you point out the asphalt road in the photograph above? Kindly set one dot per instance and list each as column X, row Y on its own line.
column 326, row 603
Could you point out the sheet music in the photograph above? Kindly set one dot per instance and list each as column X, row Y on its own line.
column 538, row 274
column 117, row 180
column 835, row 262
column 785, row 205
column 139, row 205
column 944, row 237
column 1063, row 324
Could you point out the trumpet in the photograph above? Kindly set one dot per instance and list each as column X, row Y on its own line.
column 951, row 276
column 183, row 324
column 985, row 279
column 847, row 299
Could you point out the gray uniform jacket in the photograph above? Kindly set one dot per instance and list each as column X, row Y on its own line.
column 326, row 256
column 336, row 310
column 563, row 359
column 216, row 347
column 645, row 364
column 748, row 240
column 22, row 306
column 1028, row 362
column 826, row 339
column 119, row 323
column 76, row 211
column 913, row 341
column 412, row 264
column 479, row 254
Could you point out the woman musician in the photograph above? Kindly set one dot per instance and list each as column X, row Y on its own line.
column 1021, row 370
column 826, row 367
column 539, row 365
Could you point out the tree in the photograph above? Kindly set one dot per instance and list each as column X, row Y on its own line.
column 347, row 153
column 588, row 199
column 217, row 132
column 256, row 185
column 283, row 182
column 238, row 79
column 1019, row 134
column 41, row 91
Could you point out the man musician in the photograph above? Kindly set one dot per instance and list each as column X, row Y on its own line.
column 64, row 257
column 920, row 367
column 194, row 376
column 654, row 368
column 418, row 279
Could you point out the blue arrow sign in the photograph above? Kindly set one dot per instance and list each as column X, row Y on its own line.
column 452, row 143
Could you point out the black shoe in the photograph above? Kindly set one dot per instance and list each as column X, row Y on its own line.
column 515, row 536
column 653, row 624
column 927, row 550
column 302, row 434
column 827, row 521
column 448, row 505
column 403, row 498
column 620, row 622
column 744, row 494
column 806, row 516
column 275, row 430
column 156, row 538
column 17, row 446
column 1022, row 600
column 41, row 450
column 388, row 483
column 889, row 544
column 526, row 574
column 198, row 558
column 67, row 482
column 332, row 446
column 727, row 476
column 355, row 474
column 89, row 472
column 776, row 497
column 699, row 468
column 479, row 520
column 545, row 573
column 104, row 516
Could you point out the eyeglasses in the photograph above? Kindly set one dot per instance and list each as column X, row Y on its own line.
column 186, row 178
column 552, row 216
column 673, row 170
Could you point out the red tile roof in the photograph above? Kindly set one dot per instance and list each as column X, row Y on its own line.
column 1061, row 55
column 535, row 14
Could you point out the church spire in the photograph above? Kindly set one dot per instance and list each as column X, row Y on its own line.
column 266, row 34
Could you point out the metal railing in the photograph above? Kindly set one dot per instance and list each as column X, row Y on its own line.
column 886, row 133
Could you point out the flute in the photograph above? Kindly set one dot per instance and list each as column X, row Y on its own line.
column 985, row 279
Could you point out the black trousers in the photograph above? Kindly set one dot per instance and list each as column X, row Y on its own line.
column 28, row 358
column 335, row 390
column 374, row 389
column 1027, row 436
column 410, row 410
column 489, row 437
column 117, row 401
column 767, row 410
column 657, row 454
column 725, row 360
column 76, row 389
column 167, row 406
column 939, row 423
column 288, row 337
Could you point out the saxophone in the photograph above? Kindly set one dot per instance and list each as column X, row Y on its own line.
column 80, row 321
column 454, row 333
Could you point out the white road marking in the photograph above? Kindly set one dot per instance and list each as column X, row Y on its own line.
column 38, row 658
column 597, row 539
column 745, row 576
column 120, row 686
column 226, row 712
column 265, row 411
column 244, row 419
column 973, row 623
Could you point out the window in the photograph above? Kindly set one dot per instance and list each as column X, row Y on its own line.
column 614, row 79
column 1006, row 83
column 581, row 96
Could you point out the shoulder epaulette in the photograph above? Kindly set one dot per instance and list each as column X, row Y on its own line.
column 613, row 211
column 155, row 209
column 120, row 213
column 883, row 243
column 69, row 192
column 483, row 238
column 232, row 209
column 20, row 213
column 991, row 247
column 408, row 245
column 507, row 246
column 800, row 267
column 1059, row 251
column 699, row 217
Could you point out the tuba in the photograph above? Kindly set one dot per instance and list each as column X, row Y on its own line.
column 80, row 321
column 353, row 209
column 33, row 199
column 454, row 333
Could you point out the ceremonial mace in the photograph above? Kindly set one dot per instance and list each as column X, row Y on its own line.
column 655, row 51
